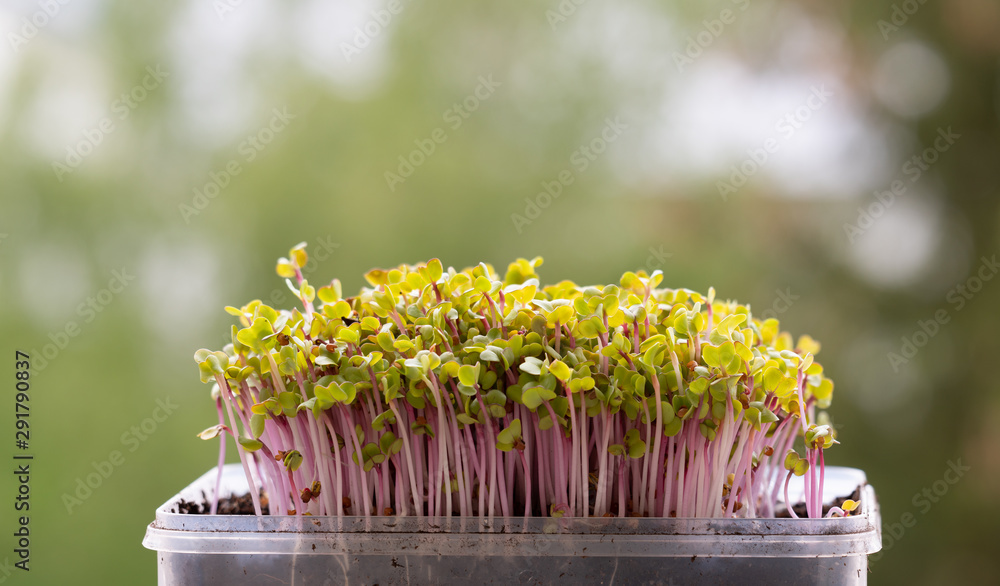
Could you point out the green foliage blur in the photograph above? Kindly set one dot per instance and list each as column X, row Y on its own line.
column 157, row 158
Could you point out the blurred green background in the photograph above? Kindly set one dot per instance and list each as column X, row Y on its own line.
column 187, row 145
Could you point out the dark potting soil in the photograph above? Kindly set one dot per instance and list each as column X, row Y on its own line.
column 800, row 508
column 243, row 505
column 232, row 505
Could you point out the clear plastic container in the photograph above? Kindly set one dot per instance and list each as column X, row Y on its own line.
column 247, row 550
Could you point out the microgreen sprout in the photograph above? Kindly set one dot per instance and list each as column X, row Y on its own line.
column 436, row 392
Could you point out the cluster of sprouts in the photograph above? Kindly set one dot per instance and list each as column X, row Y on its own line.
column 440, row 392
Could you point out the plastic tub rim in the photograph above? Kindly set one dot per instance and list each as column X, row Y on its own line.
column 471, row 536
